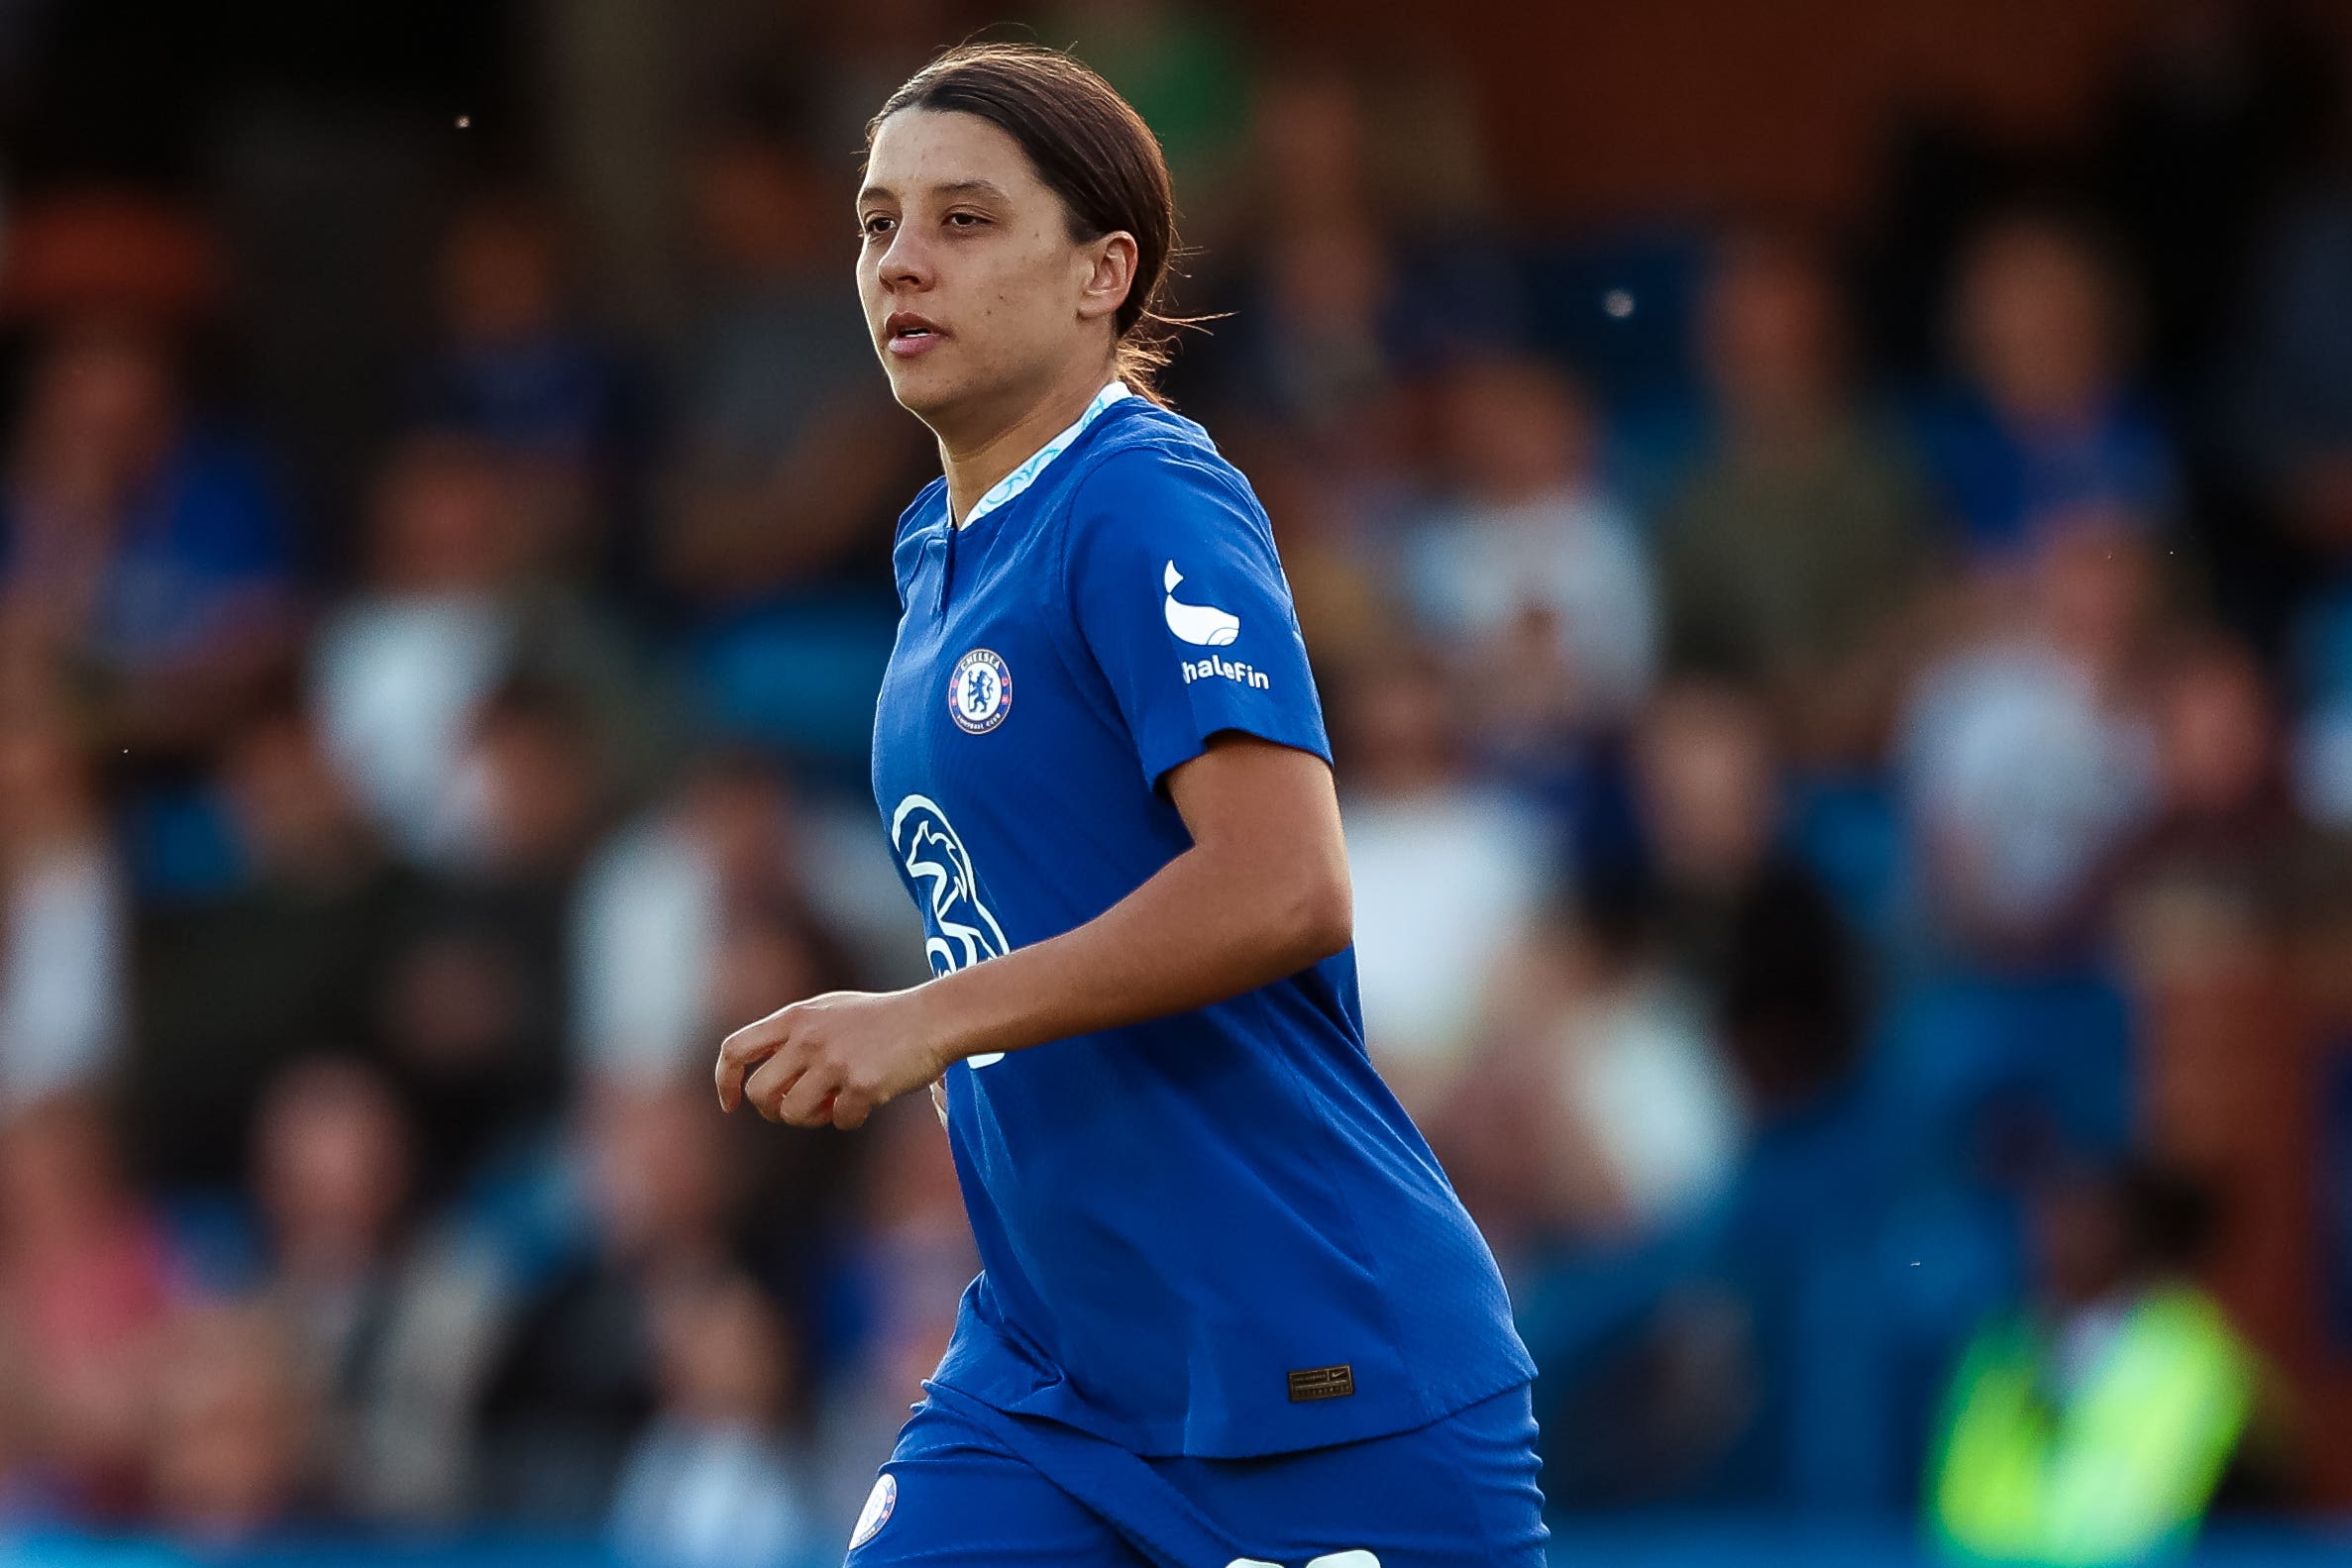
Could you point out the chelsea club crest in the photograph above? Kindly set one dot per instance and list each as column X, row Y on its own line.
column 980, row 692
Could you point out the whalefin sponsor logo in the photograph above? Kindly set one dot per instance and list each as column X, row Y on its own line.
column 1224, row 670
column 1202, row 625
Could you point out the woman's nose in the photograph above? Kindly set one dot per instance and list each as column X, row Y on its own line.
column 903, row 260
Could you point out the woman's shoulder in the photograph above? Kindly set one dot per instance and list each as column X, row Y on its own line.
column 1157, row 454
column 1156, row 484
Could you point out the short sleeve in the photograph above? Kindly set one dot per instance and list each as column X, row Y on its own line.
column 1180, row 600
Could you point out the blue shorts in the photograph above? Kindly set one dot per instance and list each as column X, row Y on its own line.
column 972, row 1487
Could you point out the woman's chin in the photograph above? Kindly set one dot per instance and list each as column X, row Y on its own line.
column 933, row 397
column 921, row 389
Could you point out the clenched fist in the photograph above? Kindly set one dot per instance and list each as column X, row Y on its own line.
column 833, row 1058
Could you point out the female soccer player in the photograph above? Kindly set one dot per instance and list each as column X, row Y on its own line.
column 1231, row 1312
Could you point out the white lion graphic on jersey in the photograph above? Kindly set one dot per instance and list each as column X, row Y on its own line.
column 934, row 856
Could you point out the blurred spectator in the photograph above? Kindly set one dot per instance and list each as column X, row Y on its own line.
column 719, row 1479
column 526, row 795
column 1796, row 546
column 1626, row 1049
column 391, row 1319
column 2027, row 757
column 319, row 895
column 135, row 539
column 333, row 1179
column 789, row 457
column 1767, row 1363
column 516, row 369
column 693, row 921
column 1325, row 333
column 2094, row 1428
column 1743, row 919
column 230, row 1448
column 1529, row 574
column 1599, row 1110
column 85, row 1287
column 2047, row 421
column 575, row 1381
column 2225, row 908
column 2225, row 821
column 63, row 915
column 474, row 1018
column 455, row 608
column 399, row 670
column 786, row 461
column 1450, row 872
column 715, row 909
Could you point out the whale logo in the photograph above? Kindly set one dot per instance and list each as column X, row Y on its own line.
column 1202, row 625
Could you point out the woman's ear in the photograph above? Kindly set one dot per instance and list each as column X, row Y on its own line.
column 1109, row 275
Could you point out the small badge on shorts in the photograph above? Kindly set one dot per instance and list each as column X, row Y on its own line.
column 880, row 1503
column 1322, row 1383
column 980, row 692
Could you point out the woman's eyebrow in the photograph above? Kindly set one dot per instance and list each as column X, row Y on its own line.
column 972, row 188
column 988, row 188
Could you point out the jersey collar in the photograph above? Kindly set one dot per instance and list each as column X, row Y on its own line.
column 1020, row 478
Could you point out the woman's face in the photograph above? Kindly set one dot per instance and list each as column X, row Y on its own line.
column 973, row 291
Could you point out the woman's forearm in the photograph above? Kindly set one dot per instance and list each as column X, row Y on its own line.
column 1207, row 926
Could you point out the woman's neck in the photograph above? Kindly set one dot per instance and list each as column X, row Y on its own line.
column 975, row 464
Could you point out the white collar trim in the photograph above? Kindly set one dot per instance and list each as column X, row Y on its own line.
column 1020, row 478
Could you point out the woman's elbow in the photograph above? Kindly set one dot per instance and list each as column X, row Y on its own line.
column 1320, row 918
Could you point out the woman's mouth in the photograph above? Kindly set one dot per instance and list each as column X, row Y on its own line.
column 905, row 335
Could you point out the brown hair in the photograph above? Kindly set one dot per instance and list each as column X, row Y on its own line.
column 1091, row 148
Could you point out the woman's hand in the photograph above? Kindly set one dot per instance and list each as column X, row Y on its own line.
column 833, row 1058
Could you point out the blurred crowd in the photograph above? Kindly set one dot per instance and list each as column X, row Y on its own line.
column 1845, row 728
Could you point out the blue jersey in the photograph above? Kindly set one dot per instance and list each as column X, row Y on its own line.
column 1215, row 1234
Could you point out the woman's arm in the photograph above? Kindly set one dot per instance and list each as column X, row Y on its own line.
column 1261, row 894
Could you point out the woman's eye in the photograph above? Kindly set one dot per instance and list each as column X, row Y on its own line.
column 965, row 220
column 874, row 226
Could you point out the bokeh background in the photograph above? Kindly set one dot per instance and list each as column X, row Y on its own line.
column 1825, row 532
